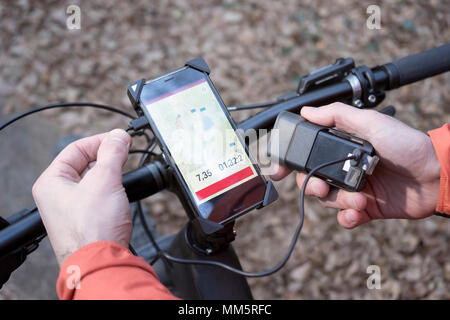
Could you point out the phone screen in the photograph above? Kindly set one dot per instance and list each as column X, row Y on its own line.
column 199, row 136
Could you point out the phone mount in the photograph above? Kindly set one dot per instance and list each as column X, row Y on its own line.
column 203, row 235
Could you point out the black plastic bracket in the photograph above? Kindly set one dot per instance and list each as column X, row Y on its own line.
column 208, row 227
column 134, row 92
column 332, row 72
column 270, row 196
column 199, row 64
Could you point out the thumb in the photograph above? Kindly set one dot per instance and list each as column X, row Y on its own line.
column 346, row 118
column 112, row 155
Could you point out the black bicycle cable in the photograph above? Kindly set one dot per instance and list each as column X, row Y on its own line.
column 134, row 151
column 162, row 253
column 64, row 105
column 281, row 99
column 159, row 252
column 253, row 106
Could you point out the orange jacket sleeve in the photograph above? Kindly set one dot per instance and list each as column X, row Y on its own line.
column 441, row 143
column 107, row 270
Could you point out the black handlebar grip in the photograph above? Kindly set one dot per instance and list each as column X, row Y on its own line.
column 145, row 181
column 418, row 66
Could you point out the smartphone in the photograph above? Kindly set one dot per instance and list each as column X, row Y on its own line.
column 198, row 138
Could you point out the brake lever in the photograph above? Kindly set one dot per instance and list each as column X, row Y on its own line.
column 389, row 110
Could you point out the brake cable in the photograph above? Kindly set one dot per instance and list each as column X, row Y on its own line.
column 253, row 106
column 64, row 105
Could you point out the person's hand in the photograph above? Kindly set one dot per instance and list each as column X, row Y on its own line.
column 80, row 195
column 405, row 183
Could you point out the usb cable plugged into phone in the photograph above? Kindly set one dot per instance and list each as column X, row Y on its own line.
column 138, row 124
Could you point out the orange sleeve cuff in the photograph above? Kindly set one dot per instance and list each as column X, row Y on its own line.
column 108, row 270
column 441, row 142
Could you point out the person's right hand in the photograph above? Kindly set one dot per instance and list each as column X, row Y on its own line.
column 405, row 183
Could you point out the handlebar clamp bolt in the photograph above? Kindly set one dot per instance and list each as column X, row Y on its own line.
column 358, row 103
column 372, row 98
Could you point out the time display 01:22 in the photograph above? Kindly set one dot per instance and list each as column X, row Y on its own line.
column 202, row 176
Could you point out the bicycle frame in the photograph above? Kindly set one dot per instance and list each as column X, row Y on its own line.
column 202, row 282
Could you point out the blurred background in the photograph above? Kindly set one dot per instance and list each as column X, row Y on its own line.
column 257, row 50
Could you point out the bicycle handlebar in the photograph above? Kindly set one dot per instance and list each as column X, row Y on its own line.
column 420, row 66
column 389, row 76
column 266, row 118
column 21, row 233
column 145, row 181
column 334, row 92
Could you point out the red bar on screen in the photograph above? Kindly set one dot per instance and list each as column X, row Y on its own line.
column 224, row 183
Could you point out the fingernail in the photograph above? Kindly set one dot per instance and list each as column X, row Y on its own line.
column 352, row 203
column 350, row 217
column 309, row 109
column 121, row 136
column 315, row 188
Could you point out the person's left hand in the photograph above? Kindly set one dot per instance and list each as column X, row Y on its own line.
column 80, row 195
